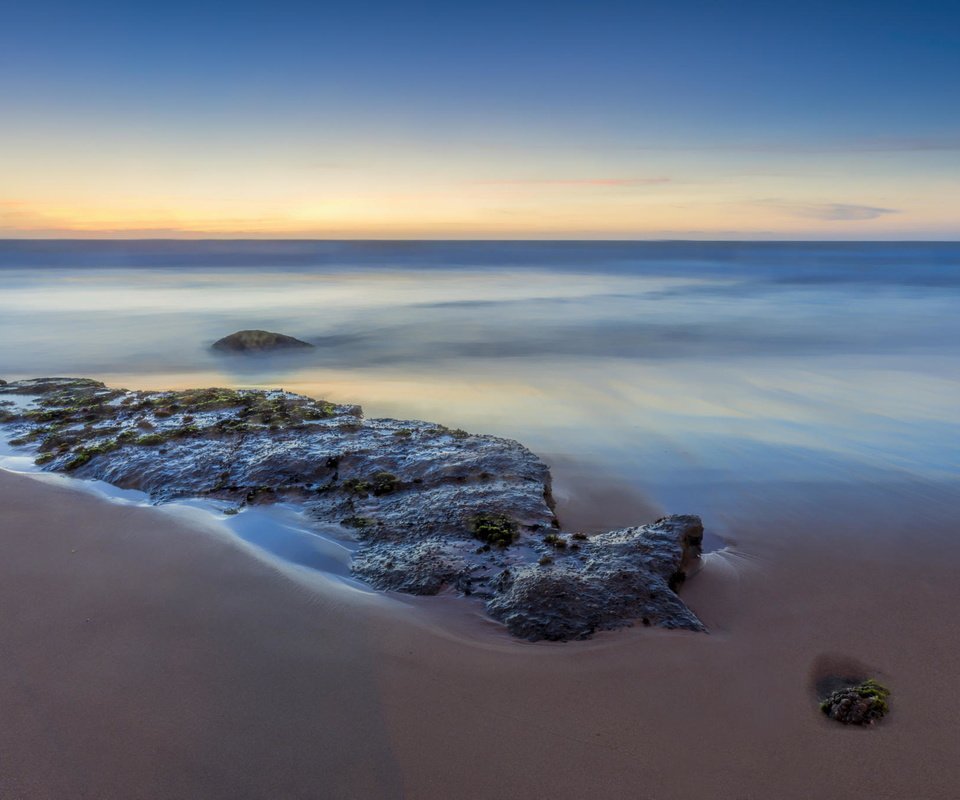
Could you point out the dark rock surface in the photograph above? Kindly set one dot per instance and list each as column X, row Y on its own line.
column 254, row 341
column 433, row 509
column 613, row 579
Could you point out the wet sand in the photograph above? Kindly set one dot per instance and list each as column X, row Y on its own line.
column 145, row 655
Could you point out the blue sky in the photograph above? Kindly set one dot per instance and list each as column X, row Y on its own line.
column 812, row 120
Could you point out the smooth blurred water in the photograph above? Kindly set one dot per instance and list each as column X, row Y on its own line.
column 652, row 376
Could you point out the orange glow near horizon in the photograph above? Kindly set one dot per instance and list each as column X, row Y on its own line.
column 490, row 120
column 450, row 194
column 430, row 217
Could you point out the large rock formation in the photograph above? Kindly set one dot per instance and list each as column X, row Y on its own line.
column 432, row 508
column 254, row 341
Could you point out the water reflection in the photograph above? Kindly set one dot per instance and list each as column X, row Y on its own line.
column 655, row 383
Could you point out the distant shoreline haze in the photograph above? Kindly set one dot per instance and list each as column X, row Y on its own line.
column 908, row 261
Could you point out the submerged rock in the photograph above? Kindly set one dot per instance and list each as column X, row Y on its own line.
column 254, row 341
column 433, row 509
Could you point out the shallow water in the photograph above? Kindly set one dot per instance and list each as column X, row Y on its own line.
column 653, row 377
column 279, row 532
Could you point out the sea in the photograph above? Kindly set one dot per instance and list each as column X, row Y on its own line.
column 737, row 380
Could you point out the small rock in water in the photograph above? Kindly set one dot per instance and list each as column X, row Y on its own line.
column 862, row 704
column 254, row 341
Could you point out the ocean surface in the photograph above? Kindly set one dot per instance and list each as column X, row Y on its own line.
column 655, row 377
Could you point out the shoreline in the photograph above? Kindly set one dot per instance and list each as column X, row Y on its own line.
column 272, row 532
column 159, row 661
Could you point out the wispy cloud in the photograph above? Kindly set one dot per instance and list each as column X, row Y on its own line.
column 844, row 211
column 836, row 212
column 577, row 182
column 881, row 144
column 904, row 144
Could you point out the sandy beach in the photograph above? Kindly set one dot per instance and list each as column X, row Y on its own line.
column 148, row 655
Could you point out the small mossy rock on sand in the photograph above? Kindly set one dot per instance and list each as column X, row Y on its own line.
column 862, row 704
column 432, row 509
column 254, row 341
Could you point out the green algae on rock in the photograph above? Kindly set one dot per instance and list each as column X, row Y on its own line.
column 862, row 704
column 494, row 529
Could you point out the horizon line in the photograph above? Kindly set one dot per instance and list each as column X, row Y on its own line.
column 286, row 239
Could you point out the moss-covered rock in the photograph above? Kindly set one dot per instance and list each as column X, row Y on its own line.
column 494, row 528
column 384, row 483
column 862, row 704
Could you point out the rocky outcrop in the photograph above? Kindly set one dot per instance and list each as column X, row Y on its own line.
column 254, row 341
column 433, row 509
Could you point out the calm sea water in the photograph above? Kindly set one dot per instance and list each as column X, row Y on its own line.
column 702, row 377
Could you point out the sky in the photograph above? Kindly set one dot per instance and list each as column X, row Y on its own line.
column 686, row 119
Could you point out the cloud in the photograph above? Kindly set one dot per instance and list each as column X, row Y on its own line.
column 844, row 211
column 882, row 144
column 833, row 212
column 906, row 144
column 579, row 182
